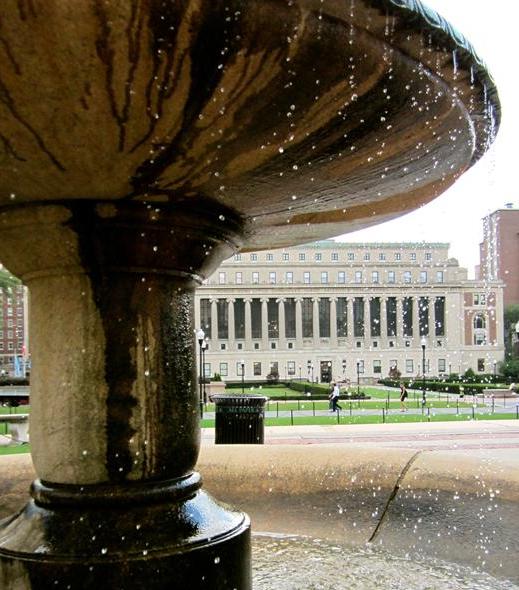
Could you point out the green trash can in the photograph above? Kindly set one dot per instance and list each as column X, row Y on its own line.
column 239, row 419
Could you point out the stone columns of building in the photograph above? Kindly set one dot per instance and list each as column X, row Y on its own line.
column 299, row 323
column 333, row 322
column 281, row 324
column 214, row 320
column 264, row 325
column 115, row 426
column 230, row 318
column 315, row 313
column 248, row 322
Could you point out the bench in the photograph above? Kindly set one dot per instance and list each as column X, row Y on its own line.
column 18, row 426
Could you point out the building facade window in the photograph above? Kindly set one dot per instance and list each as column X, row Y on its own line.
column 351, row 256
column 291, row 368
column 374, row 315
column 358, row 276
column 367, row 256
column 398, row 256
column 302, row 256
column 374, row 276
column 307, row 310
column 324, row 278
column 324, row 317
column 290, row 317
column 222, row 316
column 221, row 278
column 205, row 316
column 391, row 319
column 391, row 277
column 255, row 278
column 407, row 276
column 272, row 277
column 270, row 257
column 254, row 257
column 239, row 278
column 480, row 299
column 412, row 256
column 442, row 365
column 255, row 312
column 423, row 276
column 285, row 256
column 289, row 277
column 377, row 367
column 342, row 317
column 428, row 256
column 439, row 316
column 381, row 256
column 407, row 316
column 409, row 366
column 239, row 318
column 306, row 278
column 237, row 258
column 358, row 317
column 439, row 276
column 335, row 256
column 341, row 277
column 273, row 318
column 481, row 365
column 224, row 369
column 318, row 257
column 423, row 316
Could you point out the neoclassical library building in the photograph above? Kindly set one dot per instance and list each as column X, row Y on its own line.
column 332, row 310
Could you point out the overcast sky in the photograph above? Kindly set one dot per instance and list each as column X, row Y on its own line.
column 456, row 216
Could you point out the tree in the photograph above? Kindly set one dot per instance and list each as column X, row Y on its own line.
column 7, row 280
column 511, row 317
column 510, row 369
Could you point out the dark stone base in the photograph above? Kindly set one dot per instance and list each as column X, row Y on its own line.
column 191, row 544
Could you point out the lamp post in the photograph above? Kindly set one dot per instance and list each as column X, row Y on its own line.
column 358, row 377
column 242, row 363
column 200, row 335
column 343, row 368
column 329, row 372
column 204, row 348
column 312, row 368
column 299, row 372
column 423, row 342
column 495, row 368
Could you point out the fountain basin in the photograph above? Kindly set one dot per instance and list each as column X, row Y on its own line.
column 455, row 506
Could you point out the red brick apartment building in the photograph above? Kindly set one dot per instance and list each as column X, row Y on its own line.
column 499, row 252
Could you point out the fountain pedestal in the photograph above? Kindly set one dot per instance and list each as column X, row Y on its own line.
column 114, row 409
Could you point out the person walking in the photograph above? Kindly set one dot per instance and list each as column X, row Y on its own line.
column 403, row 397
column 335, row 397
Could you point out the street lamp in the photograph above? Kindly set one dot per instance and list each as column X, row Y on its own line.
column 329, row 372
column 423, row 342
column 200, row 335
column 204, row 348
column 299, row 372
column 312, row 368
column 242, row 363
column 358, row 377
column 343, row 368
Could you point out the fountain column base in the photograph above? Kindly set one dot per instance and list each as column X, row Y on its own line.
column 166, row 535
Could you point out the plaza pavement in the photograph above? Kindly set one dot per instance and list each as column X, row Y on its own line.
column 469, row 436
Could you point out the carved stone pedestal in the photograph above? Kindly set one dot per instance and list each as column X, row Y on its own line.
column 114, row 409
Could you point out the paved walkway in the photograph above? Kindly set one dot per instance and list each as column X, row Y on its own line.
column 468, row 436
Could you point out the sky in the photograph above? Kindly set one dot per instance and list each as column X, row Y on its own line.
column 456, row 216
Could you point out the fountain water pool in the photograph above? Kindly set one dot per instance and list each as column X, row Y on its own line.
column 284, row 562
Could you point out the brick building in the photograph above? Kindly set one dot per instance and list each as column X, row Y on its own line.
column 499, row 252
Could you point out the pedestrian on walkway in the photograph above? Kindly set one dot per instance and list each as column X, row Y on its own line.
column 335, row 397
column 403, row 397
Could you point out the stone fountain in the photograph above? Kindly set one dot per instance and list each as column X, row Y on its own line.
column 142, row 143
